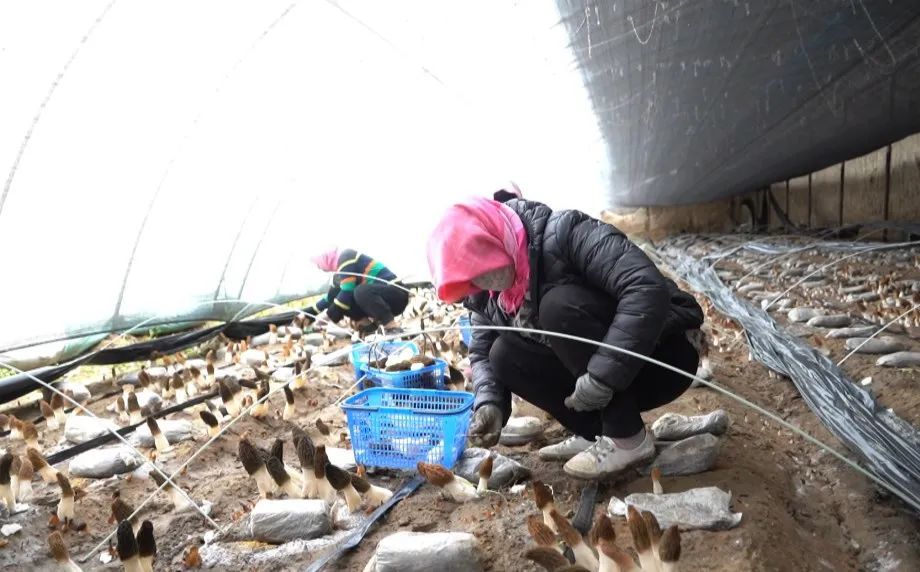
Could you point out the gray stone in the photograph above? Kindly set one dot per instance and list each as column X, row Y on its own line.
column 811, row 284
column 705, row 508
column 520, row 431
column 505, row 471
column 315, row 339
column 804, row 314
column 197, row 363
column 253, row 358
column 332, row 359
column 689, row 456
column 750, row 287
column 832, row 321
column 422, row 552
column 342, row 458
column 799, row 330
column 82, row 428
column 149, row 401
column 879, row 345
column 105, row 462
column 900, row 359
column 851, row 332
column 261, row 340
column 865, row 297
column 673, row 426
column 157, row 374
column 174, row 431
column 283, row 374
column 293, row 331
column 76, row 391
column 278, row 521
column 857, row 289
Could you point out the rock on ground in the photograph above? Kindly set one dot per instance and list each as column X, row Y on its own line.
column 520, row 431
column 900, row 359
column 82, row 428
column 149, row 401
column 851, row 332
column 832, row 321
column 277, row 521
column 75, row 391
column 422, row 552
column 880, row 345
column 315, row 339
column 804, row 314
column 105, row 462
column 253, row 358
column 673, row 426
column 865, row 297
column 175, row 430
column 505, row 471
column 687, row 457
column 705, row 508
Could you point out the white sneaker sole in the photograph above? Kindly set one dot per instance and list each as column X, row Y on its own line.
column 606, row 475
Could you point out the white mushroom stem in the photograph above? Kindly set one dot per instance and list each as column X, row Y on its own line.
column 132, row 564
column 60, row 415
column 6, row 493
column 376, row 496
column 289, row 411
column 52, row 423
column 668, row 566
column 177, row 499
column 371, row 565
column 548, row 519
column 607, row 564
column 146, row 563
column 585, row 556
column 259, row 410
column 48, row 474
column 161, row 443
column 25, row 490
column 181, row 395
column 461, row 490
column 352, row 498
column 264, row 482
column 483, row 485
column 65, row 508
column 310, row 489
column 69, row 566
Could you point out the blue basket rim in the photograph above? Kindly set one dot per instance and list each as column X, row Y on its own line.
column 396, row 344
column 438, row 362
column 350, row 405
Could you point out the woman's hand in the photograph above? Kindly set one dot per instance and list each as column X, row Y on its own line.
column 589, row 395
column 486, row 426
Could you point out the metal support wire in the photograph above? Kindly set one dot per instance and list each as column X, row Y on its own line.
column 44, row 103
column 877, row 332
column 838, row 261
column 120, row 438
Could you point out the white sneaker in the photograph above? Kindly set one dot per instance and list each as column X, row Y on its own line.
column 565, row 450
column 604, row 459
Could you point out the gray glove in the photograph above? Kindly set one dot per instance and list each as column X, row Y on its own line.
column 589, row 395
column 486, row 426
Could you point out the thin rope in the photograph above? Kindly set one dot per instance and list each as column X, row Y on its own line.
column 117, row 436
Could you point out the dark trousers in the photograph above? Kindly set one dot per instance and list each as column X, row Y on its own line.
column 546, row 376
column 379, row 301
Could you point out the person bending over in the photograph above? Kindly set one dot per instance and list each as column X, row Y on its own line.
column 363, row 289
column 518, row 263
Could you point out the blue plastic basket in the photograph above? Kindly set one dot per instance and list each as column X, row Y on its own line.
column 397, row 428
column 363, row 353
column 428, row 377
column 465, row 332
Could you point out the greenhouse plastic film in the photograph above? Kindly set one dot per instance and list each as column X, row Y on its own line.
column 889, row 446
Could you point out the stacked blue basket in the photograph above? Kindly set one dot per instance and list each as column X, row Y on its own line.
column 361, row 354
column 396, row 428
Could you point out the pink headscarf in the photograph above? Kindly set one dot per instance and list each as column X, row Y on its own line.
column 328, row 261
column 475, row 237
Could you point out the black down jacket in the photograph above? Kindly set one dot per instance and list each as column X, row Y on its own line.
column 570, row 247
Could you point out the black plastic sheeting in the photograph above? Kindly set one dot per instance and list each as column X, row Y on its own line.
column 697, row 100
column 886, row 444
column 18, row 385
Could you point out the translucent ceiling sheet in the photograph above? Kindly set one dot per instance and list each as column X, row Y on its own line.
column 193, row 151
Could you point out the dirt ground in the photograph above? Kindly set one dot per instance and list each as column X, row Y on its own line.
column 802, row 508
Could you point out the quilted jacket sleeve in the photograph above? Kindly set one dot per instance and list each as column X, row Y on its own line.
column 611, row 262
column 486, row 386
